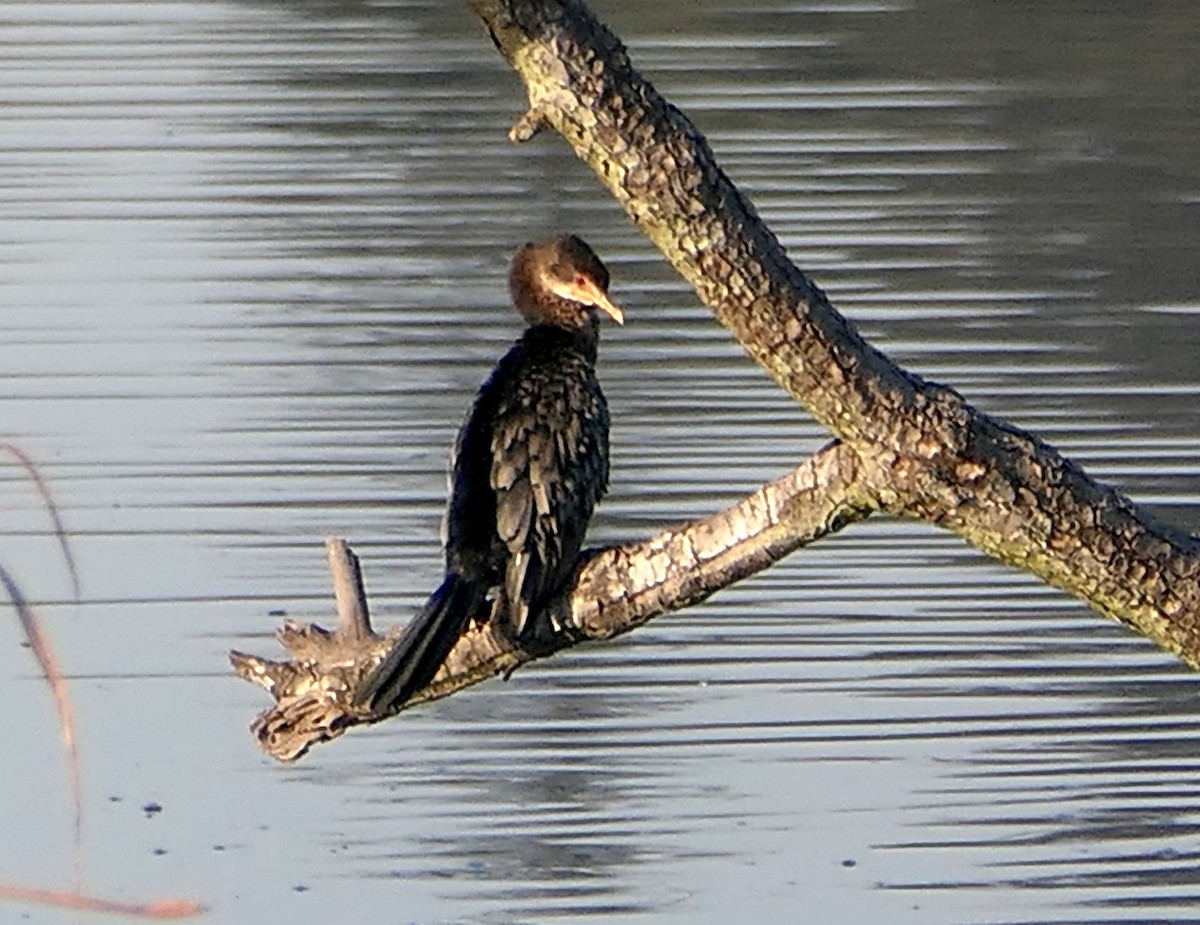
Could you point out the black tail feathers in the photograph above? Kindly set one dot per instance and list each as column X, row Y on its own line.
column 423, row 646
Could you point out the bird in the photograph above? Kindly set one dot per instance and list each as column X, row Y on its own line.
column 529, row 465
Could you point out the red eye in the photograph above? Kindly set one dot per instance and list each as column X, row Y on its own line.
column 581, row 280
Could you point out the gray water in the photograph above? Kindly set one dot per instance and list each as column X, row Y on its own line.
column 251, row 272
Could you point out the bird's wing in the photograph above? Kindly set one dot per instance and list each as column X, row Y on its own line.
column 549, row 468
column 469, row 524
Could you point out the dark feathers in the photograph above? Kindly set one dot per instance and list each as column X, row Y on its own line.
column 530, row 464
column 424, row 644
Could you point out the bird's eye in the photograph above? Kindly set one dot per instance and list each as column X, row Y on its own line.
column 580, row 280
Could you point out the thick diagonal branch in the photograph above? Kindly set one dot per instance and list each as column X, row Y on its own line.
column 933, row 455
column 616, row 589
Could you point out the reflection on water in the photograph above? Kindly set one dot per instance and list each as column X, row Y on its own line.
column 251, row 272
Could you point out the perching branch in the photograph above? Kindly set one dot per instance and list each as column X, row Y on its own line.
column 617, row 589
column 905, row 446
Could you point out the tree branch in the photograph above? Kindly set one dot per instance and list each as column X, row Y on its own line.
column 930, row 455
column 905, row 446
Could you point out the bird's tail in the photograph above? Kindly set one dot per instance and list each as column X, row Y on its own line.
column 423, row 646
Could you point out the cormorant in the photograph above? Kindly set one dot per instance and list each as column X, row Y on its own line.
column 529, row 465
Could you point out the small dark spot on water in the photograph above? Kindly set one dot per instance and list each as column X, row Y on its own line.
column 218, row 847
column 152, row 809
column 159, row 852
column 277, row 612
column 849, row 862
column 300, row 888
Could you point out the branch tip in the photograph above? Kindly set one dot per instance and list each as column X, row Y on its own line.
column 354, row 618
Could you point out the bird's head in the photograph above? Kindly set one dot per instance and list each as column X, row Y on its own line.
column 560, row 281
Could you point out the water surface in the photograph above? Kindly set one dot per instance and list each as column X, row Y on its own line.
column 251, row 273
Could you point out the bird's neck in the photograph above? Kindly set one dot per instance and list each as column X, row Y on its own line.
column 583, row 339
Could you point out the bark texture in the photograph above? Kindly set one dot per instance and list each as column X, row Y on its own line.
column 904, row 445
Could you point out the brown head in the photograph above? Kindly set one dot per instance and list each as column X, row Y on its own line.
column 560, row 281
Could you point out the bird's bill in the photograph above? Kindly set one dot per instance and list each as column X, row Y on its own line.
column 588, row 292
column 605, row 305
